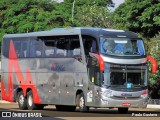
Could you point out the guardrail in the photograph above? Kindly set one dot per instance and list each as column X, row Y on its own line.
column 154, row 101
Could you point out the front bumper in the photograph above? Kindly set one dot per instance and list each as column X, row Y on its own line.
column 110, row 102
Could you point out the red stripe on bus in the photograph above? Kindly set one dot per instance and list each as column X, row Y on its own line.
column 23, row 83
column 5, row 95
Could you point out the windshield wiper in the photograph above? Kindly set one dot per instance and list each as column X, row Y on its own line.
column 128, row 52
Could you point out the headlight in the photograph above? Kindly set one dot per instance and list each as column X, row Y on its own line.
column 144, row 94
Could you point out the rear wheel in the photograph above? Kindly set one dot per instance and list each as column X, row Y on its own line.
column 22, row 102
column 123, row 110
column 30, row 102
column 81, row 103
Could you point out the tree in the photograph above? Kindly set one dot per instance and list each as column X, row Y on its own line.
column 140, row 16
column 92, row 13
column 20, row 16
column 153, row 49
column 93, row 16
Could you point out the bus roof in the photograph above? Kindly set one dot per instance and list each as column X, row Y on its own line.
column 76, row 31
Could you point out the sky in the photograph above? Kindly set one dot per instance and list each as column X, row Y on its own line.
column 117, row 3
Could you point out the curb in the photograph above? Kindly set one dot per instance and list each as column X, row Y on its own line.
column 3, row 101
column 153, row 106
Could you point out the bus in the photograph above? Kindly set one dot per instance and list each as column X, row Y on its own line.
column 75, row 68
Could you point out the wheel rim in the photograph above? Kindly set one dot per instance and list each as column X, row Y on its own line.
column 81, row 102
column 30, row 100
column 21, row 100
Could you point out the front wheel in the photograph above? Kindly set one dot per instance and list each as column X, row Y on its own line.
column 123, row 110
column 81, row 103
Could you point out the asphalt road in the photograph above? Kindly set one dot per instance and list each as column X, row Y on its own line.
column 50, row 112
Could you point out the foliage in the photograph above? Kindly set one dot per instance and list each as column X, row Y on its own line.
column 153, row 48
column 20, row 16
column 154, row 90
column 140, row 16
column 92, row 13
column 88, row 2
column 93, row 16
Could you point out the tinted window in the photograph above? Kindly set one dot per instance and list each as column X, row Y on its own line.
column 49, row 48
column 17, row 47
column 21, row 46
column 36, row 48
column 25, row 49
column 62, row 47
column 122, row 46
column 5, row 47
column 90, row 44
column 74, row 46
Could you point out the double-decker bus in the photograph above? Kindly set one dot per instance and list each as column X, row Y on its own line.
column 75, row 67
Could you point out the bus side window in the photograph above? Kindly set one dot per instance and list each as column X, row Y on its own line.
column 62, row 47
column 5, row 47
column 25, row 49
column 17, row 46
column 36, row 48
column 49, row 48
column 75, row 47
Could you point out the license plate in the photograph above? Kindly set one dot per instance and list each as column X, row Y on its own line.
column 126, row 104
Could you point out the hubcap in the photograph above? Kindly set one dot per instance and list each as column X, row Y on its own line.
column 30, row 100
column 21, row 99
column 81, row 102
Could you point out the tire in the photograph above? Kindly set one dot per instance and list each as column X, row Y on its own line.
column 81, row 103
column 22, row 102
column 123, row 110
column 30, row 102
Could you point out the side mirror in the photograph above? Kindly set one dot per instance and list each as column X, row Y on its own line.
column 154, row 64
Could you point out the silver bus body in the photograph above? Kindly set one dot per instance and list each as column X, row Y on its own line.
column 58, row 80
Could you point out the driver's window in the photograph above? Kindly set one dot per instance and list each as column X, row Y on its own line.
column 90, row 44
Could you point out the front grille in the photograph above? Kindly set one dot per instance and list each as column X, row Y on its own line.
column 125, row 98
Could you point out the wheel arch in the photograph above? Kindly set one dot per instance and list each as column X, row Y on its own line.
column 19, row 89
column 27, row 90
column 16, row 93
column 78, row 92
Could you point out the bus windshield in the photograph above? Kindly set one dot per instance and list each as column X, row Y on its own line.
column 122, row 46
column 120, row 75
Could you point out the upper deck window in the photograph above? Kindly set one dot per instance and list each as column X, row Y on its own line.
column 122, row 46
